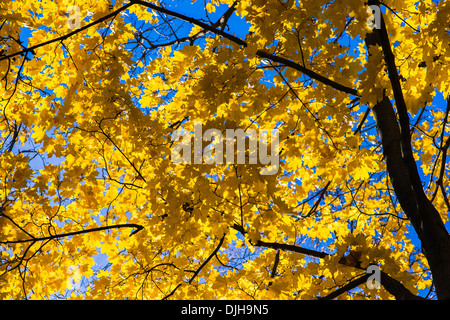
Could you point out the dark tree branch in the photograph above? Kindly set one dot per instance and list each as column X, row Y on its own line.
column 15, row 136
column 14, row 223
column 275, row 264
column 196, row 272
column 291, row 247
column 361, row 123
column 283, row 246
column 121, row 152
column 382, row 38
column 316, row 204
column 172, row 292
column 68, row 234
column 398, row 290
column 208, row 259
column 393, row 286
column 349, row 286
column 180, row 16
column 443, row 149
column 68, row 35
column 205, row 26
column 306, row 71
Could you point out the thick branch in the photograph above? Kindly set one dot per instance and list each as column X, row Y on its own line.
column 382, row 39
column 291, row 247
column 306, row 71
column 275, row 264
column 283, row 246
column 393, row 286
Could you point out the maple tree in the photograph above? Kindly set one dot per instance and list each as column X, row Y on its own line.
column 87, row 117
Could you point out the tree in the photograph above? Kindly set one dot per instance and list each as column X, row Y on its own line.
column 96, row 93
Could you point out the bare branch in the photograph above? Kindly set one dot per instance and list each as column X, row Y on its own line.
column 68, row 234
column 208, row 259
column 393, row 286
column 180, row 16
column 349, row 286
column 308, row 72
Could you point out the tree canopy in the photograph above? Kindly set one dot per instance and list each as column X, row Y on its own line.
column 94, row 95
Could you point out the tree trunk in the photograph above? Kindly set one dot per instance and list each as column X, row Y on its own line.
column 402, row 170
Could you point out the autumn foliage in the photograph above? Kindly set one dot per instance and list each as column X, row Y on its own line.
column 92, row 207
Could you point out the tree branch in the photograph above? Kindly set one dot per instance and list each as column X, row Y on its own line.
column 221, row 22
column 208, row 259
column 68, row 234
column 349, row 286
column 191, row 20
column 361, row 123
column 316, row 204
column 205, row 26
column 275, row 264
column 120, row 150
column 393, row 286
column 291, row 247
column 64, row 37
column 398, row 290
column 199, row 269
column 308, row 72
